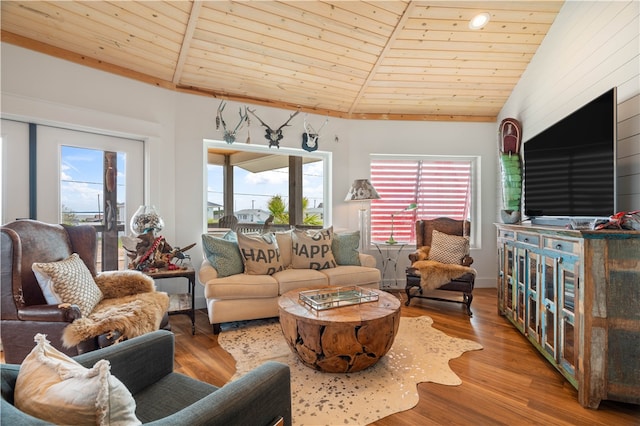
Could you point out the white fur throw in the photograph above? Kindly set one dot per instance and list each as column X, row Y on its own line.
column 130, row 305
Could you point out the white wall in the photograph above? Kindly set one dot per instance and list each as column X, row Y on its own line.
column 591, row 47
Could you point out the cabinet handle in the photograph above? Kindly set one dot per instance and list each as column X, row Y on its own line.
column 558, row 246
column 559, row 260
column 526, row 240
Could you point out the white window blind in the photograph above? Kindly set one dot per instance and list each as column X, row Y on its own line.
column 438, row 187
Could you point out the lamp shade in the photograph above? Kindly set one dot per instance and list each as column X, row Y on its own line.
column 362, row 190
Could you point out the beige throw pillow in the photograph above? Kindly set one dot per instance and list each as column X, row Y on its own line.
column 260, row 253
column 68, row 281
column 447, row 248
column 284, row 245
column 55, row 388
column 311, row 249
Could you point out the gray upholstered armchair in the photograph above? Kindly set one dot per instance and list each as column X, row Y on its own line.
column 163, row 397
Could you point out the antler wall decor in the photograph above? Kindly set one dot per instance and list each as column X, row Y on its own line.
column 273, row 136
column 229, row 136
column 310, row 136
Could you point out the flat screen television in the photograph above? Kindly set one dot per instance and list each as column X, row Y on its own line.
column 570, row 168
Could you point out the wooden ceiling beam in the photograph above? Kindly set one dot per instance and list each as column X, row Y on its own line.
column 382, row 56
column 188, row 38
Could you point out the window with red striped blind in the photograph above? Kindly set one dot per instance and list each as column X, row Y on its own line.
column 438, row 186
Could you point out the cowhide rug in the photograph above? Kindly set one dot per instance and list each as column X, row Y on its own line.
column 420, row 353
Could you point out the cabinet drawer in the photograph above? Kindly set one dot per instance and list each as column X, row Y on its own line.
column 531, row 239
column 503, row 233
column 568, row 246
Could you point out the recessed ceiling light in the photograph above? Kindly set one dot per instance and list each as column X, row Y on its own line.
column 479, row 21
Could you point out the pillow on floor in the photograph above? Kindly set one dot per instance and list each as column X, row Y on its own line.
column 345, row 248
column 260, row 253
column 447, row 248
column 55, row 388
column 223, row 254
column 311, row 249
column 68, row 281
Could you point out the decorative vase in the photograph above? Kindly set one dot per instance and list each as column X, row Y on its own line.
column 146, row 219
column 510, row 216
column 511, row 181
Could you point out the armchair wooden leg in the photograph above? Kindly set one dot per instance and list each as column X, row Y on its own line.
column 468, row 298
column 412, row 281
column 216, row 328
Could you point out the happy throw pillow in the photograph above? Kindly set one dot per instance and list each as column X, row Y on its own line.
column 311, row 249
column 260, row 253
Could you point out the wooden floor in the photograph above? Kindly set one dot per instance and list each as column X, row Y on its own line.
column 508, row 382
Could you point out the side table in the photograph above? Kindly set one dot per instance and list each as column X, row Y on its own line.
column 389, row 256
column 182, row 303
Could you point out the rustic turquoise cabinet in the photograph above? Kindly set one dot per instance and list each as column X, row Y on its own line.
column 576, row 296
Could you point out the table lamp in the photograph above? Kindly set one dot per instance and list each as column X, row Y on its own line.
column 410, row 207
column 362, row 190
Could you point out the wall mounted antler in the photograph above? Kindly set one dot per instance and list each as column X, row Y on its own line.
column 229, row 136
column 310, row 136
column 274, row 136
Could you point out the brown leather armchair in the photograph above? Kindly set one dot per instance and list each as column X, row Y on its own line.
column 25, row 311
column 463, row 284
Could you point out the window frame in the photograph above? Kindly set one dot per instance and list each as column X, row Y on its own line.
column 475, row 196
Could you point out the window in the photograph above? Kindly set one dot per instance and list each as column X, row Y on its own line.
column 438, row 186
column 259, row 174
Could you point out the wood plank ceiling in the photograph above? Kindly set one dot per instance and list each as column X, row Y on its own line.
column 404, row 60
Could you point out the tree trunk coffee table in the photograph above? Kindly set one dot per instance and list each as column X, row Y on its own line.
column 343, row 339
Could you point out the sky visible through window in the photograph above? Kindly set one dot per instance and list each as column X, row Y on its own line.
column 81, row 180
column 253, row 190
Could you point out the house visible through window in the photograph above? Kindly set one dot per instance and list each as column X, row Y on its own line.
column 420, row 187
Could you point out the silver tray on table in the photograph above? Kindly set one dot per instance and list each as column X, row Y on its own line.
column 329, row 298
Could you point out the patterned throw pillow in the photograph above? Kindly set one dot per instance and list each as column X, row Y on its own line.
column 260, row 253
column 311, row 249
column 447, row 248
column 56, row 388
column 345, row 248
column 68, row 281
column 223, row 254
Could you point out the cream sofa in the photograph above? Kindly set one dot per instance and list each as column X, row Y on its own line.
column 245, row 297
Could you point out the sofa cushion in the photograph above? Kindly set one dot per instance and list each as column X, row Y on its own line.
column 311, row 249
column 345, row 248
column 260, row 253
column 242, row 286
column 291, row 279
column 353, row 275
column 68, row 281
column 223, row 254
column 447, row 248
column 56, row 388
